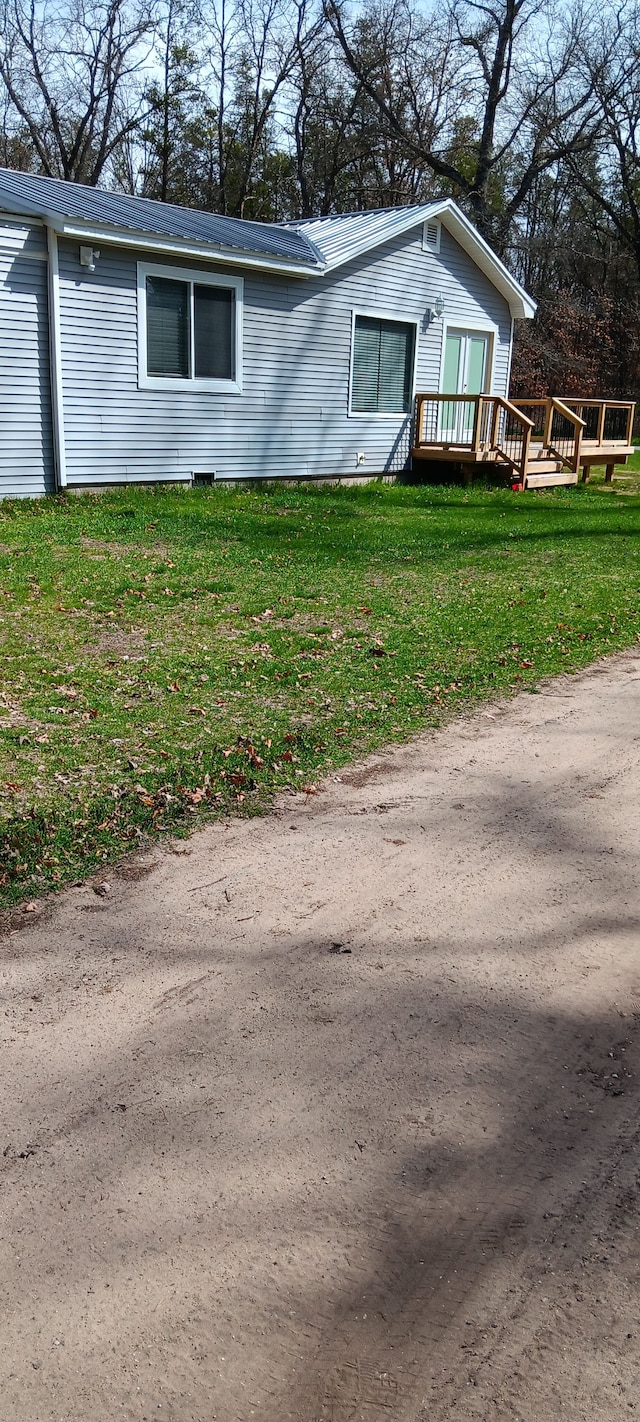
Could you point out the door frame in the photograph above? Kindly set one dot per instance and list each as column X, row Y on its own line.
column 487, row 328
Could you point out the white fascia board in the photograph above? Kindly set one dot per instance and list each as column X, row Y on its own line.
column 149, row 242
column 173, row 246
column 467, row 236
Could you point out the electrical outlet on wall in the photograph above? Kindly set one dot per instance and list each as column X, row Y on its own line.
column 360, row 458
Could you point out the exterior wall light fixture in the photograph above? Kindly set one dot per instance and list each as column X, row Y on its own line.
column 89, row 257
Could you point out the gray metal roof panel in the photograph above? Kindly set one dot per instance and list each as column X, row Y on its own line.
column 345, row 235
column 29, row 193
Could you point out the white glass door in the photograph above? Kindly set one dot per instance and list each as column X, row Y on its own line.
column 466, row 368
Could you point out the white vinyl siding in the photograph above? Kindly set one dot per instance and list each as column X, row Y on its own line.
column 26, row 449
column 293, row 417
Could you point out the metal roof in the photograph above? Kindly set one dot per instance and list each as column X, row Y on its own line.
column 301, row 248
column 51, row 198
column 343, row 236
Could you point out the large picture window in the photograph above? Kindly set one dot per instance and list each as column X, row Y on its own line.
column 382, row 366
column 189, row 329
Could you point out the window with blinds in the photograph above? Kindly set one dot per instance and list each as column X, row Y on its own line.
column 167, row 327
column 382, row 375
column 191, row 328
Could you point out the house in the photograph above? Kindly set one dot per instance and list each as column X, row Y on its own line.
column 141, row 341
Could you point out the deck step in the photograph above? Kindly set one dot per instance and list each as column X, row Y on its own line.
column 536, row 479
column 543, row 466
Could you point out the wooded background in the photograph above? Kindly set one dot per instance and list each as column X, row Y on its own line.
column 527, row 112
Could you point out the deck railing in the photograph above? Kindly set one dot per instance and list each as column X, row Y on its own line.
column 525, row 434
column 607, row 422
column 557, row 426
column 474, row 424
column 607, row 425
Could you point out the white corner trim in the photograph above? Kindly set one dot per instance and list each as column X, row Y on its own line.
column 510, row 360
column 190, row 383
column 55, row 360
column 380, row 315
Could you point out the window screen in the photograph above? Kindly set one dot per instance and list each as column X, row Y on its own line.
column 214, row 318
column 382, row 366
column 167, row 327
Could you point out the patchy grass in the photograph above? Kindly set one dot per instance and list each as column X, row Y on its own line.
column 169, row 654
column 626, row 479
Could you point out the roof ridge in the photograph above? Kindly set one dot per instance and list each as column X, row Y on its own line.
column 361, row 212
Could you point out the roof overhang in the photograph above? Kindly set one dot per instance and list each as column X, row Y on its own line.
column 173, row 246
column 402, row 220
column 153, row 242
column 521, row 305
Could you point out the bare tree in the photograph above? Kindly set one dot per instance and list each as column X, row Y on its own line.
column 256, row 46
column 488, row 97
column 71, row 74
column 611, row 59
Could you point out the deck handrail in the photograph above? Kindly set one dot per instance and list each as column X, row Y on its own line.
column 513, row 409
column 513, row 449
column 577, row 404
column 569, row 414
column 577, row 422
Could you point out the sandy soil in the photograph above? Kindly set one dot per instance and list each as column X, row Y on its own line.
column 335, row 1115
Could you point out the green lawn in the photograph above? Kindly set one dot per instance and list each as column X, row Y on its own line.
column 169, row 654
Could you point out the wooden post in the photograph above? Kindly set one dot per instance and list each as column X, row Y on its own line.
column 578, row 432
column 601, row 415
column 585, row 473
column 631, row 413
column 609, row 473
column 419, row 410
column 526, row 440
column 548, row 421
column 494, row 424
column 476, row 424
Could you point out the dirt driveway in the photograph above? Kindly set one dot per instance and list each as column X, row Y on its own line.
column 335, row 1115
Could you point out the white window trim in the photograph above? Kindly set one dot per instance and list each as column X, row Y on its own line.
column 188, row 383
column 485, row 328
column 382, row 316
column 426, row 246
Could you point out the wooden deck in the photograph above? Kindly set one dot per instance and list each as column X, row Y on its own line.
column 539, row 443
